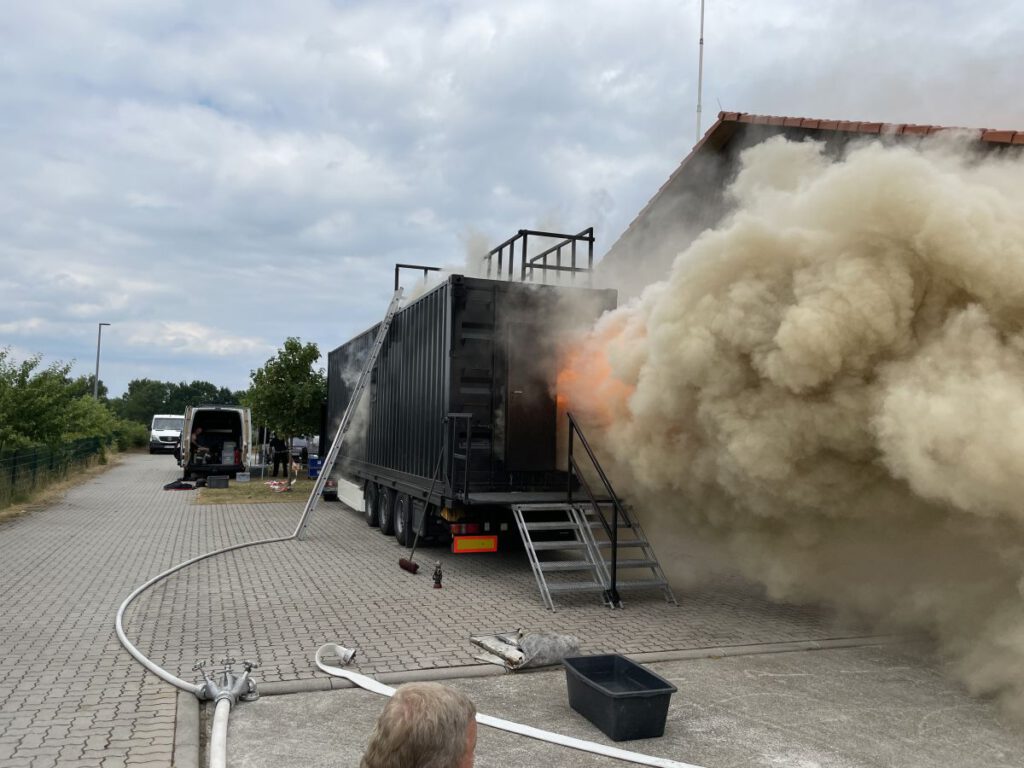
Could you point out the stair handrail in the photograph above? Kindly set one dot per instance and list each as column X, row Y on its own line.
column 613, row 530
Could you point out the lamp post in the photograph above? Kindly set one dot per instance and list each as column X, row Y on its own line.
column 96, row 381
column 700, row 69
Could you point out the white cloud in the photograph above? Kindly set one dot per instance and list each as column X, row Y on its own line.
column 30, row 326
column 194, row 338
column 177, row 159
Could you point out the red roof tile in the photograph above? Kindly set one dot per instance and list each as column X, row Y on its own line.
column 988, row 135
column 917, row 129
column 1000, row 137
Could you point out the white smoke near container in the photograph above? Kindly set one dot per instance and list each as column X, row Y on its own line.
column 828, row 391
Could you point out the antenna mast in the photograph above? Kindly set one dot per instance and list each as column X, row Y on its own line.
column 700, row 69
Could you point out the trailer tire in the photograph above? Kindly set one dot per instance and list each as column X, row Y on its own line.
column 386, row 510
column 403, row 519
column 370, row 504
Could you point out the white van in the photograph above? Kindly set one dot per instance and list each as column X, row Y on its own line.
column 222, row 447
column 164, row 432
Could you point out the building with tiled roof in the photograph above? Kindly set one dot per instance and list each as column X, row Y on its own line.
column 692, row 198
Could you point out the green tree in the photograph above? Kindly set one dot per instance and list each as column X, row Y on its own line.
column 87, row 417
column 181, row 395
column 45, row 406
column 33, row 403
column 82, row 385
column 285, row 394
column 143, row 398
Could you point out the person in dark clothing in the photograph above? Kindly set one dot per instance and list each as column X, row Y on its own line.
column 200, row 445
column 279, row 448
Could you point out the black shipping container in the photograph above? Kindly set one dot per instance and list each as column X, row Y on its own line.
column 485, row 349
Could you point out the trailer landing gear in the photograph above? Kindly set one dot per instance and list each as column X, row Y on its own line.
column 370, row 504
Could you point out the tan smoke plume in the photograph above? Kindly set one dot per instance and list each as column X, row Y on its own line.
column 829, row 388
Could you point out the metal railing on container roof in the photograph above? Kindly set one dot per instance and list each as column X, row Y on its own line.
column 512, row 258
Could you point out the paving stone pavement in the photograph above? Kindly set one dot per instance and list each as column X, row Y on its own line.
column 70, row 695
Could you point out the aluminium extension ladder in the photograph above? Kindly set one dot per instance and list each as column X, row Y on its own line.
column 346, row 419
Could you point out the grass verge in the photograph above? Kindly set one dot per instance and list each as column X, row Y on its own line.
column 51, row 494
column 254, row 492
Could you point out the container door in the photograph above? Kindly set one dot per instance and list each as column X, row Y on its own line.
column 185, row 441
column 531, row 414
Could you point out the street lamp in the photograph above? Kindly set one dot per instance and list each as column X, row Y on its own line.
column 96, row 381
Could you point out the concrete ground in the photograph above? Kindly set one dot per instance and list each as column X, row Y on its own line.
column 837, row 708
column 70, row 695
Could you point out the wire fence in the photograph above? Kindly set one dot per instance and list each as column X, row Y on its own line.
column 25, row 472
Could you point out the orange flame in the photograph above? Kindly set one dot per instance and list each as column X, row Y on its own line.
column 587, row 385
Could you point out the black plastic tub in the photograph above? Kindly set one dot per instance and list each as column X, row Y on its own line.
column 622, row 698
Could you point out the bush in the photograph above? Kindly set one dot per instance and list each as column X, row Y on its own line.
column 130, row 434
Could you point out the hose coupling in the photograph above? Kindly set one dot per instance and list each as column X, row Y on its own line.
column 229, row 687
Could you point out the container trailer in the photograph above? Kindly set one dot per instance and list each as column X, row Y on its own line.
column 462, row 398
column 456, row 430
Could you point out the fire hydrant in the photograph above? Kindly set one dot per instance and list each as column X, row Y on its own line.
column 437, row 574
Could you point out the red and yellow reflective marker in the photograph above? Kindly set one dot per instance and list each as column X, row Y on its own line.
column 464, row 545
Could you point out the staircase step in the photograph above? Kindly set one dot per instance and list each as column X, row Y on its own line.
column 633, row 563
column 559, row 545
column 566, row 565
column 562, row 525
column 598, row 524
column 629, row 543
column 575, row 586
column 527, row 508
column 638, row 583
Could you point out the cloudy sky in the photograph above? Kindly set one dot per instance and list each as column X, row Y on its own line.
column 212, row 177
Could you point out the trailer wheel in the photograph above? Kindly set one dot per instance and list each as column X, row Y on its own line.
column 403, row 519
column 386, row 510
column 370, row 504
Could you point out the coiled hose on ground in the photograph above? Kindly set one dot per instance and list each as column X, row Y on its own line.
column 218, row 735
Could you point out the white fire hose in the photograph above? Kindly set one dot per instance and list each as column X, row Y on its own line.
column 219, row 735
column 369, row 684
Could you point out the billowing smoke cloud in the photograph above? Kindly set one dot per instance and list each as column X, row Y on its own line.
column 828, row 390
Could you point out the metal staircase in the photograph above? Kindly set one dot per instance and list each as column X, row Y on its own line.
column 584, row 558
column 585, row 545
column 346, row 419
column 639, row 553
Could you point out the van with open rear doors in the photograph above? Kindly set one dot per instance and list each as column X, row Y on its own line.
column 223, row 447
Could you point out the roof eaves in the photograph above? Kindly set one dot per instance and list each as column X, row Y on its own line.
column 723, row 117
column 815, row 124
column 851, row 126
